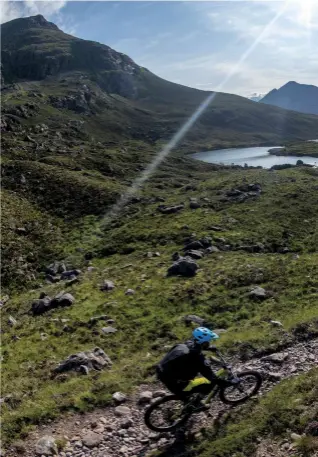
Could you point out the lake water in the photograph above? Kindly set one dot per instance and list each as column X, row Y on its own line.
column 254, row 157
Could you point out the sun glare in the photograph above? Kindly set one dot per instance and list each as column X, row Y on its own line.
column 306, row 10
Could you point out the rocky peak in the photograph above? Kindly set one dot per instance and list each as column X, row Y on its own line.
column 31, row 22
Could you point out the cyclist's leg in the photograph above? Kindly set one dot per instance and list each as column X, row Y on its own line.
column 175, row 387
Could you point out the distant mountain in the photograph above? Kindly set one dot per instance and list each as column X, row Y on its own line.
column 127, row 100
column 294, row 96
column 255, row 97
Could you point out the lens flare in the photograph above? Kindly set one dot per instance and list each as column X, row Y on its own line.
column 165, row 151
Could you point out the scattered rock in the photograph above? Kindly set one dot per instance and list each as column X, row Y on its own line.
column 92, row 439
column 276, row 323
column 175, row 256
column 185, row 266
column 194, row 204
column 170, row 209
column 107, row 286
column 130, row 292
column 45, row 303
column 103, row 317
column 12, row 321
column 145, row 397
column 295, row 437
column 159, row 393
column 95, row 359
column 194, row 254
column 121, row 411
column 216, row 228
column 212, row 249
column 70, row 273
column 62, row 300
column 127, row 423
column 119, row 397
column 258, row 293
column 193, row 245
column 272, row 376
column 107, row 330
column 278, row 357
column 46, row 446
column 206, row 241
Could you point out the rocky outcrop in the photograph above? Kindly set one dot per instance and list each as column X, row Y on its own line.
column 184, row 266
column 46, row 303
column 95, row 359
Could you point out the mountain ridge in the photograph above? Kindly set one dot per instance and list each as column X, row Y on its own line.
column 294, row 96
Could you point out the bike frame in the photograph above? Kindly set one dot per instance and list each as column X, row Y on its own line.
column 223, row 373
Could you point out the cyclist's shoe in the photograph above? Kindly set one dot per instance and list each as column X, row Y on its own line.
column 228, row 382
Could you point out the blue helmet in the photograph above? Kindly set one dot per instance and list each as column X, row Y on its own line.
column 202, row 335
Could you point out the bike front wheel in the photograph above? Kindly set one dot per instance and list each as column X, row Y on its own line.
column 249, row 383
column 166, row 414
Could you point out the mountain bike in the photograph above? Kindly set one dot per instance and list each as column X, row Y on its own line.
column 170, row 412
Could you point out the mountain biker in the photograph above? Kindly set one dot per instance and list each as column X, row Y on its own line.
column 185, row 361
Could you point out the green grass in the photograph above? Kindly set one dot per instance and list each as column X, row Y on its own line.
column 150, row 319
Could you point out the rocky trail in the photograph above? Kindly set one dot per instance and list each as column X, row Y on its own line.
column 119, row 430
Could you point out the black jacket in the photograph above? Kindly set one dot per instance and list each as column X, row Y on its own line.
column 183, row 362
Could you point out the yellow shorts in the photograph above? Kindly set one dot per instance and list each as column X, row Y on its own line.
column 195, row 383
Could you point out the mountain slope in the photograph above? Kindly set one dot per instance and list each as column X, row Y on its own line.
column 36, row 50
column 294, row 96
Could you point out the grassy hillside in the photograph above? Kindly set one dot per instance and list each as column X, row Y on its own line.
column 151, row 319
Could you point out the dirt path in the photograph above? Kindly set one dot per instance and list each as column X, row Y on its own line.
column 120, row 432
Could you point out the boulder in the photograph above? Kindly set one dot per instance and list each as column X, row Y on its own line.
column 121, row 411
column 212, row 250
column 41, row 305
column 107, row 286
column 95, row 359
column 70, row 273
column 62, row 300
column 206, row 241
column 145, row 396
column 278, row 357
column 159, row 393
column 258, row 293
column 194, row 254
column 185, row 266
column 130, row 292
column 194, row 205
column 92, row 439
column 107, row 330
column 46, row 446
column 119, row 397
column 193, row 245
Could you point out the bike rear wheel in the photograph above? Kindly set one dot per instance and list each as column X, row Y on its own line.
column 166, row 414
column 249, row 384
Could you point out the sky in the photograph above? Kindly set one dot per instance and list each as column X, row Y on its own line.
column 245, row 47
